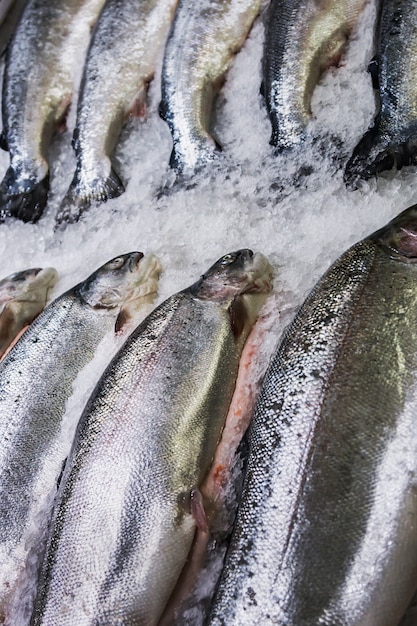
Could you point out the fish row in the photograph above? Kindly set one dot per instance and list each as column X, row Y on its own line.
column 301, row 40
column 129, row 498
column 325, row 529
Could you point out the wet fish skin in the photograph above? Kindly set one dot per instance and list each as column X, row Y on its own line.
column 325, row 530
column 36, row 379
column 143, row 445
column 23, row 295
column 302, row 39
column 50, row 33
column 392, row 139
column 114, row 85
column 202, row 42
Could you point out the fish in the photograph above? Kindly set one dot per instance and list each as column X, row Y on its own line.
column 302, row 39
column 23, row 296
column 391, row 142
column 114, row 86
column 129, row 501
column 36, row 379
column 325, row 528
column 202, row 42
column 50, row 34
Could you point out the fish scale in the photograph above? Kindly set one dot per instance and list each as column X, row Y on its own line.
column 35, row 382
column 325, row 530
column 143, row 445
column 302, row 38
column 203, row 39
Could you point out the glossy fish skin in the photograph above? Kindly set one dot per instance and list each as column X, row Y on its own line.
column 302, row 39
column 392, row 140
column 203, row 39
column 23, row 295
column 114, row 85
column 143, row 445
column 325, row 530
column 36, row 379
column 50, row 34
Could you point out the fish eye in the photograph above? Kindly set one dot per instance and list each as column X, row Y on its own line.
column 116, row 263
column 227, row 259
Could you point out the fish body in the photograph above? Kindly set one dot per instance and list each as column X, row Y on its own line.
column 325, row 530
column 50, row 34
column 392, row 140
column 36, row 379
column 302, row 39
column 121, row 60
column 203, row 39
column 123, row 526
column 23, row 295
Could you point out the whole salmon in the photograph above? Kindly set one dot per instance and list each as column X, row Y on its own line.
column 302, row 38
column 36, row 379
column 326, row 528
column 23, row 295
column 41, row 62
column 114, row 85
column 204, row 38
column 129, row 499
column 392, row 139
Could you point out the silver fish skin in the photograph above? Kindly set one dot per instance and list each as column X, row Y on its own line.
column 203, row 40
column 114, row 85
column 392, row 139
column 50, row 34
column 302, row 39
column 36, row 379
column 325, row 533
column 23, row 296
column 123, row 526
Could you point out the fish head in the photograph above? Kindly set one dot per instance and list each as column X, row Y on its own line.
column 399, row 236
column 16, row 283
column 236, row 273
column 30, row 285
column 240, row 280
column 126, row 282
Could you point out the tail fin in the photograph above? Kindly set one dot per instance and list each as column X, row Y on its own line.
column 80, row 196
column 375, row 153
column 27, row 205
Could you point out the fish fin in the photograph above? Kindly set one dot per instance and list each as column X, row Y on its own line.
column 79, row 197
column 262, row 89
column 27, row 206
column 197, row 510
column 238, row 316
column 3, row 141
column 375, row 153
column 373, row 69
column 122, row 320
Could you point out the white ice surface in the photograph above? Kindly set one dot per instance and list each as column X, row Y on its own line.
column 251, row 202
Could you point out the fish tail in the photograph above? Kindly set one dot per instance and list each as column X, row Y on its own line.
column 81, row 196
column 27, row 205
column 376, row 153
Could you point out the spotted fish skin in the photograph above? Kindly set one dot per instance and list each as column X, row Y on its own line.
column 302, row 39
column 392, row 139
column 123, row 526
column 325, row 530
column 36, row 379
column 50, row 34
column 203, row 40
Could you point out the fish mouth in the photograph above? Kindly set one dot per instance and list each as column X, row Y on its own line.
column 134, row 262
